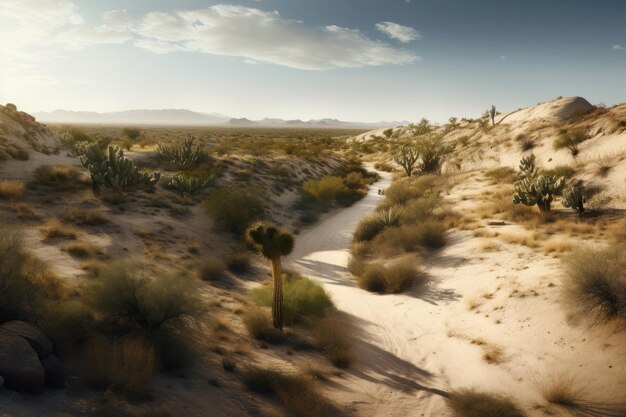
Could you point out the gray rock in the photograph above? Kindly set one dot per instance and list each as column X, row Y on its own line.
column 54, row 371
column 34, row 336
column 19, row 364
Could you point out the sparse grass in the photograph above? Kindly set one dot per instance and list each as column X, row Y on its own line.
column 492, row 354
column 259, row 325
column 603, row 166
column 303, row 298
column 333, row 338
column 595, row 283
column 488, row 245
column 472, row 403
column 80, row 249
column 11, row 189
column 211, row 268
column 563, row 390
column 55, row 229
column 527, row 239
column 82, row 216
column 59, row 176
column 501, row 175
column 297, row 393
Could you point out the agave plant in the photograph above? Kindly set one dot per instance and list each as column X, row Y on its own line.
column 376, row 223
column 188, row 184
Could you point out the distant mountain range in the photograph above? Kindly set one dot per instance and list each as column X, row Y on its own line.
column 184, row 117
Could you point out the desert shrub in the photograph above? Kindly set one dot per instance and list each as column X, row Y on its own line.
column 420, row 209
column 81, row 216
column 432, row 151
column 383, row 166
column 333, row 338
column 401, row 192
column 60, row 176
column 132, row 133
column 129, row 297
column 11, row 189
column 328, row 189
column 375, row 223
column 356, row 265
column 80, row 249
column 183, row 155
column 238, row 262
column 18, row 294
column 564, row 171
column 501, row 174
column 471, row 403
column 126, row 365
column 571, row 140
column 55, row 229
column 356, row 181
column 526, row 143
column 259, row 324
column 429, row 234
column 68, row 324
column 595, row 283
column 234, row 208
column 303, row 298
column 298, row 394
column 211, row 269
column 398, row 276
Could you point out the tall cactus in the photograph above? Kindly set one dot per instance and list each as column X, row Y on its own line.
column 113, row 170
column 574, row 197
column 537, row 189
column 492, row 114
column 183, row 155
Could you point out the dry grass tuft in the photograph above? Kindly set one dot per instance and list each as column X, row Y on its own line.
column 472, row 403
column 564, row 391
column 54, row 228
column 11, row 189
column 81, row 216
column 333, row 338
column 80, row 249
column 493, row 355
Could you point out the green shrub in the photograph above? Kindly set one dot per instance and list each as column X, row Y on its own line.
column 595, row 283
column 259, row 324
column 211, row 268
column 303, row 298
column 298, row 394
column 375, row 223
column 333, row 338
column 401, row 192
column 234, row 209
column 327, row 189
column 432, row 151
column 471, row 403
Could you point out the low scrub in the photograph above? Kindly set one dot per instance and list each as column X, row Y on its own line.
column 234, row 209
column 238, row 262
column 334, row 340
column 394, row 278
column 595, row 283
column 59, row 176
column 375, row 223
column 501, row 174
column 80, row 249
column 472, row 403
column 333, row 190
column 303, row 298
column 430, row 234
column 259, row 324
column 11, row 189
column 401, row 192
column 211, row 269
column 55, row 229
column 297, row 393
column 82, row 216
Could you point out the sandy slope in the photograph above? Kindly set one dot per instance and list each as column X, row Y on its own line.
column 414, row 347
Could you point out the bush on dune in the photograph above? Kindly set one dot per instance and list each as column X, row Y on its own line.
column 401, row 192
column 595, row 283
column 408, row 238
column 333, row 339
column 394, row 278
column 235, row 208
column 259, row 324
column 375, row 223
column 303, row 298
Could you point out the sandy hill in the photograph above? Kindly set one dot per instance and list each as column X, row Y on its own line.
column 21, row 133
column 558, row 110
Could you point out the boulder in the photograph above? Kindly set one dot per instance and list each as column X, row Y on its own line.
column 19, row 364
column 34, row 336
column 54, row 371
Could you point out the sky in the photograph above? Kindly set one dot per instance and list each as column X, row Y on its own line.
column 359, row 60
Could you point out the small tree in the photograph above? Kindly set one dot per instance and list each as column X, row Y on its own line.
column 422, row 128
column 272, row 243
column 492, row 114
column 132, row 132
column 407, row 158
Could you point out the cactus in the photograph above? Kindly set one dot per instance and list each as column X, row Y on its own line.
column 189, row 185
column 534, row 188
column 492, row 113
column 183, row 155
column 114, row 171
column 574, row 197
column 527, row 166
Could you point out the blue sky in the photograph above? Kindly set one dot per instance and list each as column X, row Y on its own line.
column 348, row 59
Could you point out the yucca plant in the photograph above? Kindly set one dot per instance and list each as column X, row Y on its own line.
column 375, row 223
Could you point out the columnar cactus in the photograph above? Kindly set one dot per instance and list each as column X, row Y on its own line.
column 183, row 155
column 492, row 114
column 534, row 188
column 574, row 197
column 114, row 171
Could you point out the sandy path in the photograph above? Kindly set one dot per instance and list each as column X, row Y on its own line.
column 414, row 347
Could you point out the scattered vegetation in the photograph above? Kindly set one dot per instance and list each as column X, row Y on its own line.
column 183, row 155
column 472, row 403
column 235, row 208
column 333, row 339
column 571, row 140
column 394, row 278
column 60, row 176
column 534, row 188
column 11, row 189
column 211, row 268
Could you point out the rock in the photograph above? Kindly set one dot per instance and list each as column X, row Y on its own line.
column 19, row 364
column 34, row 336
column 1, row 382
column 54, row 371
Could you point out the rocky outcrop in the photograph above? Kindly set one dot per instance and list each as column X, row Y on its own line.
column 20, row 134
column 27, row 361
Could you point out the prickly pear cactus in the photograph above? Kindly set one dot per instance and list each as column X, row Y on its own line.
column 534, row 188
column 113, row 170
column 574, row 197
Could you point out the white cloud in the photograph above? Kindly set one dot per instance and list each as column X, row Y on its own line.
column 617, row 47
column 398, row 32
column 263, row 36
column 39, row 28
